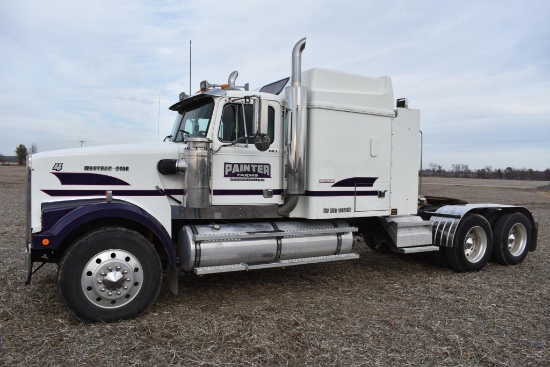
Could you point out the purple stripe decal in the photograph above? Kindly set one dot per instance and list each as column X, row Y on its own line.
column 69, row 178
column 356, row 181
column 81, row 193
column 341, row 193
column 243, row 192
column 115, row 192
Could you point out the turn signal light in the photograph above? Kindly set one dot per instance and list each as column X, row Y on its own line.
column 45, row 242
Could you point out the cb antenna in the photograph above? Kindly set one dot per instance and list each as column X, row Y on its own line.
column 189, row 67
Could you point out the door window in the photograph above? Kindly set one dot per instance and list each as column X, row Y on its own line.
column 237, row 124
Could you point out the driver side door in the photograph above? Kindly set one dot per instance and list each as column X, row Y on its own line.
column 241, row 174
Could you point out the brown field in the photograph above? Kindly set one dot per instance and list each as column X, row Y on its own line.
column 380, row 310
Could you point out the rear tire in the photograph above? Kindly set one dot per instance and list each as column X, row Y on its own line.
column 512, row 239
column 471, row 246
column 108, row 275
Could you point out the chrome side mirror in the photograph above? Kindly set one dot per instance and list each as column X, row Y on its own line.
column 262, row 142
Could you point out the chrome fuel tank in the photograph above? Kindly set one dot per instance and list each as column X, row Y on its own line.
column 253, row 243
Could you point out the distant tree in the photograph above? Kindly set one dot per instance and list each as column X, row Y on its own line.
column 440, row 171
column 481, row 173
column 34, row 148
column 21, row 153
column 2, row 160
column 433, row 168
column 455, row 169
column 488, row 170
column 509, row 173
column 465, row 171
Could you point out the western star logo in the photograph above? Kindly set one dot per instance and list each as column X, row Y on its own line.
column 247, row 170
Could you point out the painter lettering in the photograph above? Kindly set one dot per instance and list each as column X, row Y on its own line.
column 247, row 170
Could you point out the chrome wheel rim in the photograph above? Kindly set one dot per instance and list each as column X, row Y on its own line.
column 475, row 244
column 112, row 278
column 517, row 239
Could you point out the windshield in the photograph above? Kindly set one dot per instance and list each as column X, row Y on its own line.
column 193, row 119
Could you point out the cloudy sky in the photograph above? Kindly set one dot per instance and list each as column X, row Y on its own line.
column 97, row 71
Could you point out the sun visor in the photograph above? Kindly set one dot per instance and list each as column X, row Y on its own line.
column 211, row 92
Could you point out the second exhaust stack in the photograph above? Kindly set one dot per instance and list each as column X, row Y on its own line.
column 296, row 120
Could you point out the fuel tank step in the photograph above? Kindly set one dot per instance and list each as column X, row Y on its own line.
column 408, row 231
column 276, row 264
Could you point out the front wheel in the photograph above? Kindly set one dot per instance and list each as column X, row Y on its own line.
column 512, row 239
column 472, row 244
column 108, row 275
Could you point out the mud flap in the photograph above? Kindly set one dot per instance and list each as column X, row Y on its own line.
column 28, row 264
column 172, row 279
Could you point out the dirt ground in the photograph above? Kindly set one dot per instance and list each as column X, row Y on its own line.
column 380, row 310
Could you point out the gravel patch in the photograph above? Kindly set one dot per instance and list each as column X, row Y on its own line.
column 380, row 310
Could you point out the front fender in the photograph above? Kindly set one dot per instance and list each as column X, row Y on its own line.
column 59, row 220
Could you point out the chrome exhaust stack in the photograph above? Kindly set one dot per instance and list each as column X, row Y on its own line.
column 296, row 77
column 296, row 132
column 232, row 80
column 296, row 140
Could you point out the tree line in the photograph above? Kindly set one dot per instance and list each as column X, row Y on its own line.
column 463, row 171
column 21, row 152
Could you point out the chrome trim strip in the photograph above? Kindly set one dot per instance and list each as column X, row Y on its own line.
column 277, row 264
column 247, row 235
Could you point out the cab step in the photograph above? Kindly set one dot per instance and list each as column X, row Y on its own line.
column 414, row 250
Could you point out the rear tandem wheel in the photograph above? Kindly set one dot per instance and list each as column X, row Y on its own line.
column 512, row 239
column 471, row 246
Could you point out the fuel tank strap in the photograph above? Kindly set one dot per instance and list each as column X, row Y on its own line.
column 197, row 247
column 338, row 239
column 279, row 241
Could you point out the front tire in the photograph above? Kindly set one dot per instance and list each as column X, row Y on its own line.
column 512, row 239
column 471, row 246
column 108, row 275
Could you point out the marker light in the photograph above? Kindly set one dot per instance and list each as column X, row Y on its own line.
column 45, row 242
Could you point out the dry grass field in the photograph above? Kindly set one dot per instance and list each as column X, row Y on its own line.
column 380, row 310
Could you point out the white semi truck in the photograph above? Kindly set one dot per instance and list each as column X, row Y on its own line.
column 290, row 174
